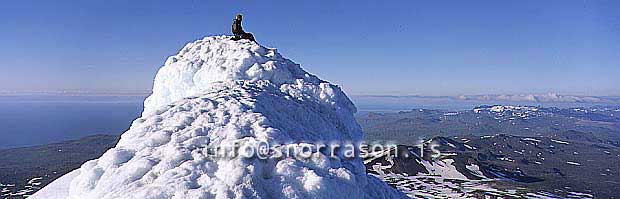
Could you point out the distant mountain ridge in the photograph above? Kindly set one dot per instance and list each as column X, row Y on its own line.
column 539, row 98
column 549, row 97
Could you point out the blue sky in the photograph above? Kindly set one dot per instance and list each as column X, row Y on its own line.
column 367, row 47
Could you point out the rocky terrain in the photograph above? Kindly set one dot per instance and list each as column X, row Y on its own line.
column 25, row 170
column 502, row 165
column 600, row 124
column 518, row 150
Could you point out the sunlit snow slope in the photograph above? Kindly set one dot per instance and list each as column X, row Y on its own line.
column 216, row 91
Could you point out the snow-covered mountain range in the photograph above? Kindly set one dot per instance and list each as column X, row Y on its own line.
column 218, row 92
column 541, row 98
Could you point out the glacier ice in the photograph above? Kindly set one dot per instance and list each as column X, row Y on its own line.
column 216, row 91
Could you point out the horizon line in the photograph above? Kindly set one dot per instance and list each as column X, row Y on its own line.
column 129, row 92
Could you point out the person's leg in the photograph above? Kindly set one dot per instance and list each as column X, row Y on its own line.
column 251, row 37
column 248, row 36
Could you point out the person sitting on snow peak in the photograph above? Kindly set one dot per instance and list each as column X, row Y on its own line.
column 238, row 32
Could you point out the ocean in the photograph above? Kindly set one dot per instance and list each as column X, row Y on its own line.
column 40, row 119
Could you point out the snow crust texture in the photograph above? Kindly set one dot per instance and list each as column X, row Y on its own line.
column 216, row 91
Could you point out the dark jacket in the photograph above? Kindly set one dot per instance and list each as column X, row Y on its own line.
column 236, row 28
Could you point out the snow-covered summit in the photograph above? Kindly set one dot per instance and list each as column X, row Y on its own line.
column 203, row 63
column 218, row 92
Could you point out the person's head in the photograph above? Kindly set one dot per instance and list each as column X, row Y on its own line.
column 239, row 17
